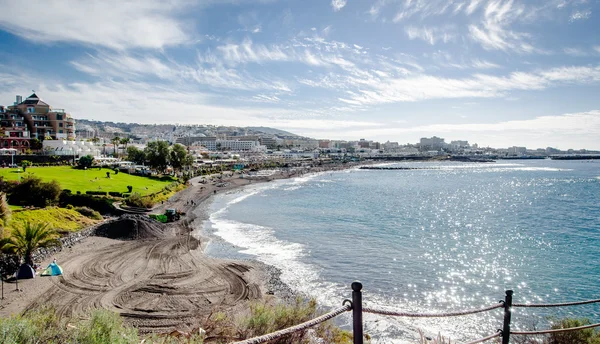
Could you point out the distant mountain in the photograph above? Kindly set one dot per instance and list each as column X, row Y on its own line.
column 272, row 131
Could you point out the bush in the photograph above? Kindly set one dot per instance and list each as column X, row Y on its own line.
column 137, row 200
column 587, row 336
column 105, row 327
column 88, row 212
column 115, row 194
column 95, row 192
column 85, row 161
column 129, row 188
column 33, row 191
column 44, row 326
column 101, row 204
column 266, row 318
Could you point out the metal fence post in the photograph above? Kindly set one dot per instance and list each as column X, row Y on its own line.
column 507, row 314
column 357, row 326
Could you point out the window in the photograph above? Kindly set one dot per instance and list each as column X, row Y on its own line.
column 60, row 125
column 30, row 109
column 59, row 118
column 60, row 131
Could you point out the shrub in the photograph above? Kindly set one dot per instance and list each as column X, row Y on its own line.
column 88, row 212
column 587, row 336
column 137, row 200
column 105, row 327
column 33, row 191
column 95, row 192
column 129, row 188
column 115, row 194
column 85, row 161
column 266, row 318
column 101, row 204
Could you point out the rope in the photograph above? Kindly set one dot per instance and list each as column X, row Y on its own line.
column 498, row 334
column 429, row 315
column 527, row 305
column 556, row 330
column 296, row 328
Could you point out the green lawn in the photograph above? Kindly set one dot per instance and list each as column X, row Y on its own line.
column 88, row 180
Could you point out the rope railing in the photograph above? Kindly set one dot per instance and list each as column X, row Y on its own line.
column 543, row 305
column 297, row 328
column 357, row 326
column 382, row 311
column 558, row 330
column 485, row 339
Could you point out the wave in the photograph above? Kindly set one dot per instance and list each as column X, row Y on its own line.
column 260, row 242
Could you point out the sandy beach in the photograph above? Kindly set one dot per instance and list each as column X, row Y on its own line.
column 157, row 284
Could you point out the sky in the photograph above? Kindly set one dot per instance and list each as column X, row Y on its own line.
column 499, row 73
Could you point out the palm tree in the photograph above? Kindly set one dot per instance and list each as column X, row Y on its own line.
column 115, row 141
column 125, row 141
column 31, row 236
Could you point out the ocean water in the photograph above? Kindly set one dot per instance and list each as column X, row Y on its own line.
column 446, row 237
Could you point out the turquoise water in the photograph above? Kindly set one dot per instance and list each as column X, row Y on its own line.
column 447, row 237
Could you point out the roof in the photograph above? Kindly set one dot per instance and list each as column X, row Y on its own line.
column 33, row 100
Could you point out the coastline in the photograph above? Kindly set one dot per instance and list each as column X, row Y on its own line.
column 142, row 292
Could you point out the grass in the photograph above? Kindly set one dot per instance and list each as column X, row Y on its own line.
column 61, row 219
column 89, row 180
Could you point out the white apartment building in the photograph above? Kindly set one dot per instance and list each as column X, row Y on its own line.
column 76, row 148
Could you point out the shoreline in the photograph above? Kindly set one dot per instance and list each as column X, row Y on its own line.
column 141, row 279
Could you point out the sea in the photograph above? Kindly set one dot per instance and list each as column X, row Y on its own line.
column 442, row 237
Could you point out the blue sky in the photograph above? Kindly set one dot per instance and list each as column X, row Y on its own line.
column 494, row 72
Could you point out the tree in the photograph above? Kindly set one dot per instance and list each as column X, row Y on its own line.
column 180, row 157
column 5, row 212
column 125, row 141
column 115, row 141
column 85, row 161
column 95, row 139
column 25, row 164
column 36, row 144
column 157, row 155
column 33, row 191
column 136, row 155
column 25, row 240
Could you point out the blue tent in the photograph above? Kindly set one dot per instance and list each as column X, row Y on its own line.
column 52, row 270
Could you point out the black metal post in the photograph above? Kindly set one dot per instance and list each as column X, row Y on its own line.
column 357, row 325
column 507, row 314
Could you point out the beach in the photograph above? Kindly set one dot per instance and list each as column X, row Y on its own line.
column 161, row 283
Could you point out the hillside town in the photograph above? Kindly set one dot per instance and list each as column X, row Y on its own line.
column 33, row 127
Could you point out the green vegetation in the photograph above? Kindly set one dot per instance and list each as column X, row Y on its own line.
column 85, row 162
column 61, row 219
column 90, row 180
column 102, row 326
column 24, row 240
column 268, row 317
column 587, row 336
column 32, row 191
column 137, row 200
column 44, row 326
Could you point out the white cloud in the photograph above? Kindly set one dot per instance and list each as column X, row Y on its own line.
column 597, row 48
column 338, row 4
column 422, row 87
column 114, row 24
column 144, row 68
column 430, row 34
column 494, row 32
column 574, row 52
column 483, row 64
column 580, row 15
